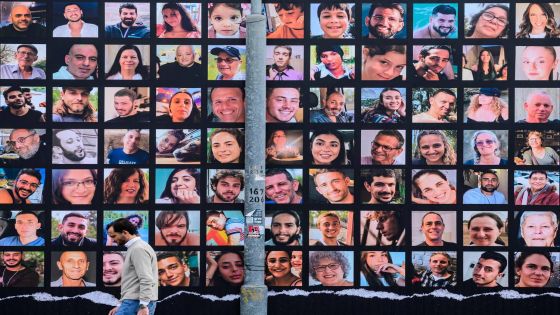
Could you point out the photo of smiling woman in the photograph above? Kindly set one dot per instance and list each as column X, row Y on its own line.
column 278, row 270
column 487, row 148
column 384, row 63
column 73, row 186
column 377, row 269
column 225, row 269
column 176, row 21
column 537, row 20
column 181, row 186
column 533, row 269
column 128, row 63
column 331, row 269
column 485, row 228
column 226, row 145
column 385, row 106
column 431, row 186
column 490, row 21
column 126, row 186
column 329, row 147
column 434, row 147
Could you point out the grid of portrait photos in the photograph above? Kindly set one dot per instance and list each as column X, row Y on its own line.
column 401, row 148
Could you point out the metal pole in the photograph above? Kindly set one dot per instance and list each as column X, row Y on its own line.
column 254, row 291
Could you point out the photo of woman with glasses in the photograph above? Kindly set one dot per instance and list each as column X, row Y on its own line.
column 278, row 270
column 330, row 268
column 535, row 153
column 486, row 148
column 73, row 186
column 490, row 22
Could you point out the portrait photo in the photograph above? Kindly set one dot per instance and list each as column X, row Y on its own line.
column 331, row 228
column 485, row 147
column 178, row 269
column 379, row 269
column 435, row 21
column 179, row 61
column 226, row 62
column 23, row 228
column 126, row 186
column 178, row 20
column 383, row 228
column 22, row 185
column 76, row 61
column 226, row 145
column 73, row 268
column 178, row 105
column 284, row 146
column 225, row 228
column 536, row 187
column 485, row 269
column 66, row 189
column 485, row 228
column 534, row 147
column 384, row 62
column 127, row 62
column 127, row 105
column 139, row 218
column 178, row 186
column 434, row 187
column 434, row 228
column 383, row 147
column 537, row 63
column 23, row 20
column 331, row 186
column 331, row 147
column 76, row 19
column 485, row 63
column 383, row 105
column 178, row 146
column 75, row 104
column 486, row 187
column 332, row 63
column 486, row 20
column 434, row 63
column 331, row 105
column 127, row 20
column 32, row 261
column 382, row 186
column 225, row 269
column 126, row 146
column 434, row 269
column 225, row 185
column 434, row 147
column 434, row 105
column 536, row 228
column 537, row 105
column 74, row 146
column 333, row 20
column 75, row 228
column 384, row 20
column 22, row 147
column 485, row 105
column 227, row 20
column 331, row 268
column 283, row 268
column 537, row 20
column 283, row 228
column 177, row 228
column 527, row 262
column 283, row 186
column 286, row 20
column 23, row 61
column 284, row 62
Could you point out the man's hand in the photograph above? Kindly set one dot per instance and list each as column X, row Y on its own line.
column 430, row 76
column 143, row 311
column 113, row 311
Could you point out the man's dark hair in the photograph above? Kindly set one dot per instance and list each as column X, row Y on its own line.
column 128, row 6
column 538, row 172
column 446, row 91
column 10, row 90
column 71, row 3
column 126, row 92
column 25, row 90
column 333, row 5
column 426, row 50
column 73, row 214
column 121, row 225
column 431, row 212
column 488, row 172
column 497, row 257
column 286, row 6
column 392, row 133
column 165, row 218
column 215, row 213
column 290, row 212
column 394, row 6
column 27, row 212
column 165, row 255
column 32, row 47
column 379, row 172
column 444, row 9
column 30, row 172
column 276, row 171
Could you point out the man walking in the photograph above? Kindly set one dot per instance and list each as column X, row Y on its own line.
column 139, row 281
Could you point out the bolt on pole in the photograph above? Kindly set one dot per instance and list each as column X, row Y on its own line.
column 254, row 291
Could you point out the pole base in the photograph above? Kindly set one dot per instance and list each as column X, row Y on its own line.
column 253, row 299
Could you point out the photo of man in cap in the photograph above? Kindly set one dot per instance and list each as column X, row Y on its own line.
column 228, row 62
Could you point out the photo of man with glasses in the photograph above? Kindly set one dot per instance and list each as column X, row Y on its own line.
column 228, row 62
column 26, row 183
column 385, row 148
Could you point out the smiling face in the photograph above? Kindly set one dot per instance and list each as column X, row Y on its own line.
column 537, row 181
column 385, row 149
column 73, row 264
column 439, row 264
column 225, row 20
column 486, row 144
column 325, row 149
column 443, row 24
column 26, row 56
column 435, row 189
column 333, row 186
column 185, row 55
column 25, row 186
column 73, row 13
column 489, row 182
column 329, row 226
column 382, row 189
column 282, row 104
column 441, row 105
column 285, row 230
column 129, row 60
column 484, row 231
column 73, row 230
column 491, row 23
column 167, row 143
column 535, row 272
column 72, row 145
column 433, row 227
column 130, row 187
column 112, row 269
column 436, row 60
column 172, row 272
column 228, row 104
column 12, row 260
column 391, row 100
column 537, row 18
column 231, row 268
column 539, row 230
column 20, row 17
column 131, row 140
column 329, row 277
column 333, row 22
column 334, row 105
column 432, row 149
column 383, row 67
column 225, row 148
column 171, row 17
column 182, row 182
column 83, row 192
column 128, row 16
column 384, row 23
column 538, row 63
column 124, row 106
column 30, row 145
column 280, row 189
column 180, row 107
column 278, row 263
column 228, row 66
